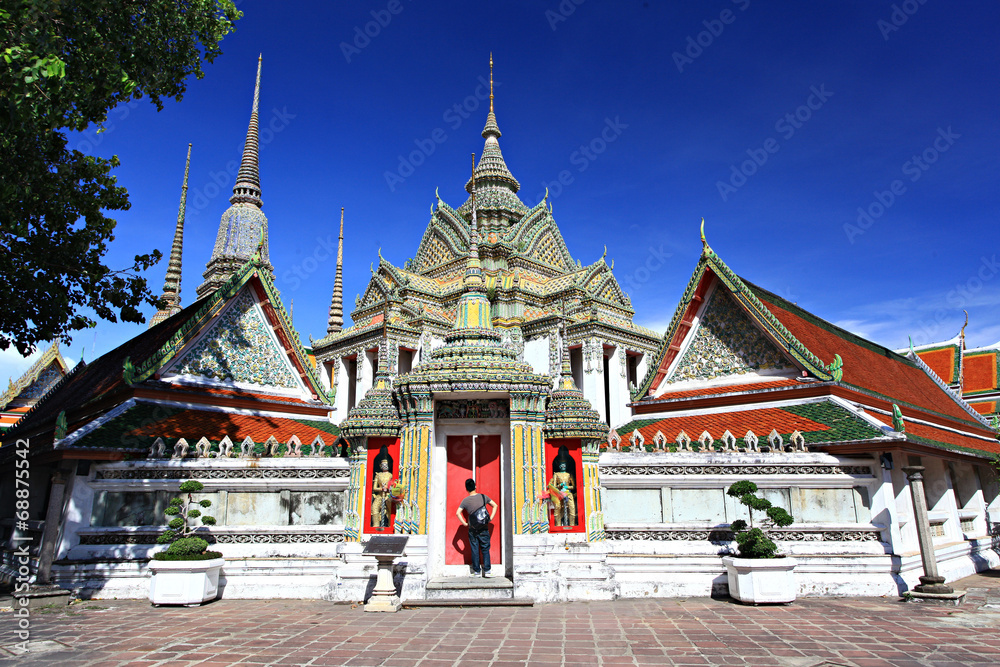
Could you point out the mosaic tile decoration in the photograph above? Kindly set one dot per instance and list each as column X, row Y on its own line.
column 43, row 383
column 239, row 348
column 727, row 343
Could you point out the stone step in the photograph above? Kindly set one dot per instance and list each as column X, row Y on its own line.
column 470, row 588
column 469, row 602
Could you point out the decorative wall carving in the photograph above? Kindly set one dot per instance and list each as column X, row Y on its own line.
column 736, row 470
column 725, row 535
column 726, row 342
column 239, row 348
column 223, row 473
column 249, row 537
column 473, row 409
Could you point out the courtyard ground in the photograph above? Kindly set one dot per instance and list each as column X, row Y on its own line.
column 864, row 632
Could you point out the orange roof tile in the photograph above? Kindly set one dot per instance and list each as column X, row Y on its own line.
column 980, row 372
column 196, row 424
column 866, row 365
column 942, row 362
column 951, row 438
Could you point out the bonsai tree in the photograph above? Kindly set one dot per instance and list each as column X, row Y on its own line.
column 752, row 541
column 180, row 535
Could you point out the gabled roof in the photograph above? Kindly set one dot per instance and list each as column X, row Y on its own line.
column 854, row 363
column 709, row 271
column 113, row 378
column 51, row 359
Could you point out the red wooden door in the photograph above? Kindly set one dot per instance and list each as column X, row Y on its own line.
column 463, row 450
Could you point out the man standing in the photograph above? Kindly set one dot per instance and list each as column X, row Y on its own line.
column 474, row 506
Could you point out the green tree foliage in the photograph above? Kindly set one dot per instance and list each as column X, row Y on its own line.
column 66, row 64
column 752, row 541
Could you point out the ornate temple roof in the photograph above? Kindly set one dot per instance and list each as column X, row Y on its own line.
column 196, row 341
column 23, row 393
column 243, row 227
column 732, row 343
column 473, row 357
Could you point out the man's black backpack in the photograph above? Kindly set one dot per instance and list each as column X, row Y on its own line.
column 480, row 518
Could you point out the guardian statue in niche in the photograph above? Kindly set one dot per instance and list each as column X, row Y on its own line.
column 562, row 489
column 381, row 489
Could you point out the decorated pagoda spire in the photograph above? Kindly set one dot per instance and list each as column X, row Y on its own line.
column 243, row 228
column 172, row 283
column 247, row 187
column 473, row 306
column 496, row 185
column 336, row 320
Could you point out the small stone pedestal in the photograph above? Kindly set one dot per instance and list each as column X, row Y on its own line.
column 385, row 549
column 953, row 598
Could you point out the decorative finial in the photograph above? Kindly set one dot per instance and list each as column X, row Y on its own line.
column 491, row 81
column 912, row 351
column 380, row 260
column 961, row 355
column 704, row 241
column 605, row 251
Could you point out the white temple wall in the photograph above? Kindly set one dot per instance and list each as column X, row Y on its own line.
column 666, row 518
column 343, row 389
column 536, row 353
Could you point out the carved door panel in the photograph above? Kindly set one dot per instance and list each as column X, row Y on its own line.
column 465, row 453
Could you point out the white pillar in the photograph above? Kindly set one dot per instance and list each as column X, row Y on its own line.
column 618, row 386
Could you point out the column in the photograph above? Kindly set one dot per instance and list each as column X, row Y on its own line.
column 618, row 386
column 355, row 511
column 931, row 582
column 53, row 520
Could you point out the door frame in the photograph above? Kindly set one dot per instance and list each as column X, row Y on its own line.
column 438, row 501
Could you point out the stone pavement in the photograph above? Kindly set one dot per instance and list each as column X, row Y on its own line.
column 865, row 632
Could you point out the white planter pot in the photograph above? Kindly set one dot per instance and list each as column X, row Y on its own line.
column 189, row 582
column 761, row 580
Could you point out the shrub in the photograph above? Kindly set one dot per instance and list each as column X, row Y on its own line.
column 753, row 541
column 184, row 545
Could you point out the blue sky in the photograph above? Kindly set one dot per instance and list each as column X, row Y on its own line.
column 774, row 121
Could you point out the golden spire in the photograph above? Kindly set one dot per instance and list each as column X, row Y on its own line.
column 491, row 82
